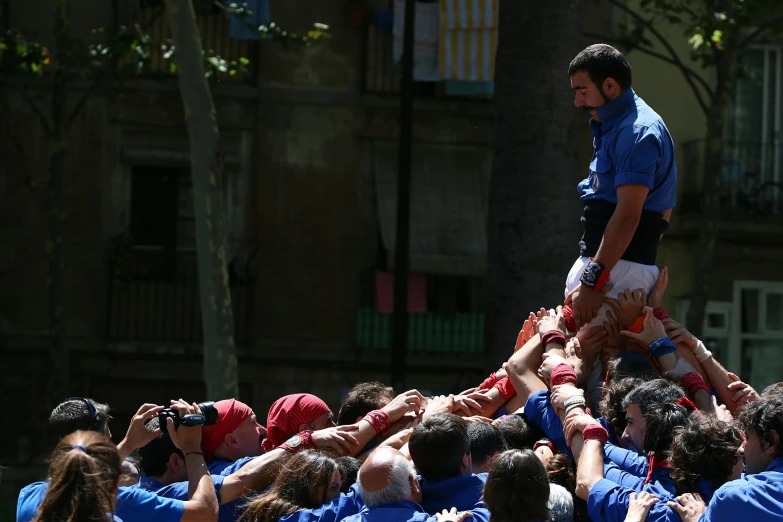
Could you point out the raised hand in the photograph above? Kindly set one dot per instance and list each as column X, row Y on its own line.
column 439, row 404
column 550, row 362
column 403, row 403
column 743, row 393
column 656, row 296
column 585, row 303
column 339, row 439
column 138, row 435
column 628, row 306
column 679, row 334
column 653, row 329
column 639, row 506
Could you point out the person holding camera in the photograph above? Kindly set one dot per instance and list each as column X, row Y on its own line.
column 133, row 503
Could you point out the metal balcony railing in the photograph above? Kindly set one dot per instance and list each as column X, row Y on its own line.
column 427, row 332
column 166, row 312
column 752, row 174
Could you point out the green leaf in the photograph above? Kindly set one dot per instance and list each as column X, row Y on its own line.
column 717, row 36
column 244, row 61
column 696, row 41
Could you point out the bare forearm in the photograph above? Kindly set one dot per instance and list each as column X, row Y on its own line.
column 617, row 236
column 202, row 504
column 591, row 467
column 522, row 370
column 253, row 476
column 719, row 379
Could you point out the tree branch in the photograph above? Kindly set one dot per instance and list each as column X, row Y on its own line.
column 685, row 69
column 80, row 104
column 675, row 58
column 13, row 130
column 37, row 111
column 760, row 30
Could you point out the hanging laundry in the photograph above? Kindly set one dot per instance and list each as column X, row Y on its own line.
column 468, row 39
column 246, row 28
column 425, row 39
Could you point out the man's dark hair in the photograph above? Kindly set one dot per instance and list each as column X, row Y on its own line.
column 630, row 364
column 349, row 469
column 485, row 441
column 653, row 392
column 704, row 447
column 662, row 422
column 519, row 432
column 773, row 389
column 361, row 400
column 437, row 446
column 74, row 415
column 601, row 61
column 763, row 416
column 611, row 405
column 154, row 457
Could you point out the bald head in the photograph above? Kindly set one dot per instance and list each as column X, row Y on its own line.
column 387, row 476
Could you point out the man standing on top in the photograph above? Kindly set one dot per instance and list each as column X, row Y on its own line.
column 630, row 190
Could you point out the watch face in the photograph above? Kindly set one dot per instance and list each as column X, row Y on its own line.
column 294, row 441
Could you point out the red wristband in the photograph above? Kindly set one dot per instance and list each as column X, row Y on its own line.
column 660, row 314
column 505, row 388
column 553, row 337
column 692, row 382
column 379, row 420
column 595, row 432
column 489, row 382
column 301, row 441
column 563, row 374
column 570, row 321
column 546, row 442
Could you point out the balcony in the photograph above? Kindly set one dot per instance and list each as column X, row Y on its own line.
column 752, row 179
column 427, row 332
column 166, row 312
column 214, row 28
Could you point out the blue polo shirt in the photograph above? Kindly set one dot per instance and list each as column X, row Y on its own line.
column 179, row 490
column 755, row 497
column 462, row 492
column 661, row 482
column 226, row 467
column 632, row 147
column 406, row 511
column 133, row 504
column 540, row 413
column 626, row 460
column 608, row 502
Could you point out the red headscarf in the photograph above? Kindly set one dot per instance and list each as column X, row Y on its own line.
column 231, row 413
column 288, row 413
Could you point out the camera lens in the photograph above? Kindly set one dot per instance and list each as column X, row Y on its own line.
column 209, row 411
column 165, row 414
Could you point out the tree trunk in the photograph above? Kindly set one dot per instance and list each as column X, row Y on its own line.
column 220, row 358
column 712, row 176
column 533, row 227
column 53, row 208
column 59, row 356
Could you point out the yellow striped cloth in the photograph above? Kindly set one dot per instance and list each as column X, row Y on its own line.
column 468, row 39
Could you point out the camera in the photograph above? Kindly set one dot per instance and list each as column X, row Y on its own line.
column 208, row 417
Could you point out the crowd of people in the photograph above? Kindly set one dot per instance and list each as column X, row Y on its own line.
column 606, row 410
column 665, row 434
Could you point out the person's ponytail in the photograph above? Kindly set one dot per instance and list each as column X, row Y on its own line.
column 83, row 476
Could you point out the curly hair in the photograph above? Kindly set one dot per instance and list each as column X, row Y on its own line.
column 662, row 421
column 763, row 416
column 611, row 405
column 361, row 400
column 773, row 389
column 704, row 447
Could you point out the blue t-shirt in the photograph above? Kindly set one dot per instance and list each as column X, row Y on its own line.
column 407, row 511
column 758, row 498
column 133, row 504
column 626, row 460
column 539, row 411
column 462, row 493
column 226, row 467
column 179, row 490
column 632, row 147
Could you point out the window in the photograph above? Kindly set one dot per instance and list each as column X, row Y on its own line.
column 162, row 225
column 757, row 336
column 716, row 328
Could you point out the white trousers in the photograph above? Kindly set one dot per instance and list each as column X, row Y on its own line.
column 625, row 275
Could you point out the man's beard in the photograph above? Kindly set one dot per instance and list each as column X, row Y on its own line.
column 606, row 98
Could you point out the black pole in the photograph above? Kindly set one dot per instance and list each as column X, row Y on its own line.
column 402, row 240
